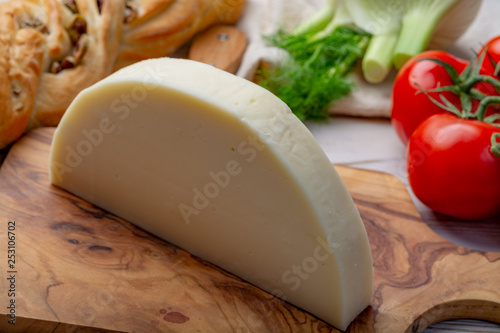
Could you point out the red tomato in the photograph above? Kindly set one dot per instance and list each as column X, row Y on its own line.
column 492, row 56
column 451, row 168
column 409, row 109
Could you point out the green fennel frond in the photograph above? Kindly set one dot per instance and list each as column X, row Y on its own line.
column 314, row 74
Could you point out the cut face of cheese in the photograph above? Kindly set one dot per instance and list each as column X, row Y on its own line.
column 220, row 167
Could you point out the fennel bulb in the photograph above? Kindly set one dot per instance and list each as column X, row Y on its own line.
column 402, row 29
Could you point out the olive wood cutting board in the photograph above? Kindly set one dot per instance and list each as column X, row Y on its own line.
column 81, row 269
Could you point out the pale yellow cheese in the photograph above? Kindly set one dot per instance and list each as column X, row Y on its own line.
column 220, row 167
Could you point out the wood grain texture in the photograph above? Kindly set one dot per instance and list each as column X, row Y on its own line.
column 79, row 267
column 222, row 46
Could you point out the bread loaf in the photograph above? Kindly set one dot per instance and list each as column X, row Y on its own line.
column 50, row 50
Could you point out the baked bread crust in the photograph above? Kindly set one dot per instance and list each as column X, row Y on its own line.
column 93, row 55
column 50, row 50
column 173, row 24
column 21, row 61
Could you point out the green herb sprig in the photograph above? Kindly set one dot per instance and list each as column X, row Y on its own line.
column 315, row 73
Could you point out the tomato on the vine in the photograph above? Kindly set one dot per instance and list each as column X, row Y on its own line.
column 452, row 169
column 425, row 73
column 409, row 106
column 446, row 110
column 492, row 56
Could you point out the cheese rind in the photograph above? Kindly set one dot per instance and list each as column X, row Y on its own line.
column 220, row 167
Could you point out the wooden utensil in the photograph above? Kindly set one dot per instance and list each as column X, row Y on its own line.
column 222, row 46
column 79, row 267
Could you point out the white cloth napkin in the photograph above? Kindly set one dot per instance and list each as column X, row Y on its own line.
column 263, row 17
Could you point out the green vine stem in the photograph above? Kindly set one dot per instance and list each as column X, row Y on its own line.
column 483, row 105
column 495, row 144
column 463, row 86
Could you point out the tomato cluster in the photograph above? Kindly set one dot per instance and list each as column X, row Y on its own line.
column 446, row 110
